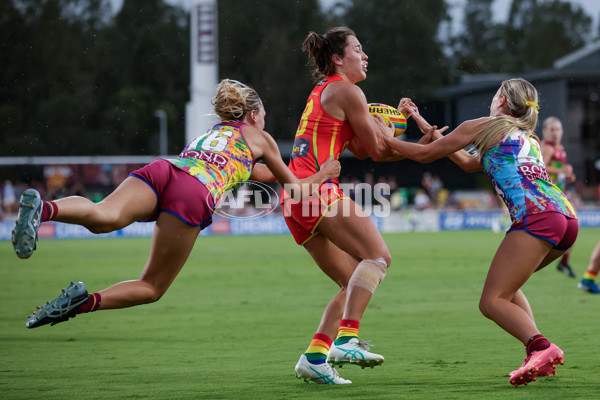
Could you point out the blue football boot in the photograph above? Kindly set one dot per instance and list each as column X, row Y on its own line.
column 60, row 309
column 24, row 236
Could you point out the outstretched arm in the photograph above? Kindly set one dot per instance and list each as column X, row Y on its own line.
column 444, row 146
column 385, row 132
column 462, row 158
column 265, row 147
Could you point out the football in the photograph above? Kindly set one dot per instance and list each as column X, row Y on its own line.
column 389, row 114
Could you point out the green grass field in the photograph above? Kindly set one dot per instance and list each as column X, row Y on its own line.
column 243, row 309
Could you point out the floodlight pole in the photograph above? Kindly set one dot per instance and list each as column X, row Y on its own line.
column 162, row 116
column 204, row 71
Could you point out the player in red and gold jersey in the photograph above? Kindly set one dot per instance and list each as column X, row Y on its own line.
column 319, row 135
column 336, row 232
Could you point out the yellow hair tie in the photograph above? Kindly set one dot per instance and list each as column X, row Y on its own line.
column 534, row 105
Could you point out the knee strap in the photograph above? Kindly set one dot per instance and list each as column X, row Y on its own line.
column 369, row 274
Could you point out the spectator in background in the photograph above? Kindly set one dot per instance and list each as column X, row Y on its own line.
column 432, row 184
column 444, row 197
column 399, row 199
column 384, row 183
column 426, row 182
column 561, row 172
column 422, row 200
column 434, row 189
column 9, row 198
column 393, row 183
column 57, row 178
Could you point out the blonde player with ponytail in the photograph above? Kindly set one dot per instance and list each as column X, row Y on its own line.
column 544, row 222
column 180, row 194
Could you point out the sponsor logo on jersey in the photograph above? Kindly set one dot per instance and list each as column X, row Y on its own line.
column 208, row 157
column 533, row 172
column 301, row 147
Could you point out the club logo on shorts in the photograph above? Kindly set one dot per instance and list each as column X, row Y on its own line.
column 250, row 200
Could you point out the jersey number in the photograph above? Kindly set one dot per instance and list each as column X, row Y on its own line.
column 216, row 141
column 524, row 156
column 304, row 120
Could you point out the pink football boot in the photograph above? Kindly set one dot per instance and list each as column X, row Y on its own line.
column 539, row 363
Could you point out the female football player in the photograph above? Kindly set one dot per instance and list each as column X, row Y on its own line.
column 179, row 194
column 335, row 231
column 544, row 222
column 561, row 172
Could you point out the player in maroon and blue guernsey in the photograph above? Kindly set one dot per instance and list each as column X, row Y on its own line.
column 560, row 171
column 544, row 223
column 179, row 194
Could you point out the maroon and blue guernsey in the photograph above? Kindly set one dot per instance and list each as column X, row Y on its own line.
column 516, row 169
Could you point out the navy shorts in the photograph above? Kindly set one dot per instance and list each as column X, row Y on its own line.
column 553, row 227
column 177, row 193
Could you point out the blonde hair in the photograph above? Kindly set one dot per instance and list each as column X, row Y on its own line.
column 520, row 94
column 233, row 100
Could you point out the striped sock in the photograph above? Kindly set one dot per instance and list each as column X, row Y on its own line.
column 49, row 210
column 93, row 304
column 590, row 275
column 348, row 329
column 318, row 348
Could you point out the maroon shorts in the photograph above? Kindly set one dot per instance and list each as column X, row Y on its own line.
column 553, row 227
column 177, row 193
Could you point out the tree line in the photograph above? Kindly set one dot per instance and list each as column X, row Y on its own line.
column 78, row 78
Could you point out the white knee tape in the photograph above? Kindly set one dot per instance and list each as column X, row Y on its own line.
column 369, row 274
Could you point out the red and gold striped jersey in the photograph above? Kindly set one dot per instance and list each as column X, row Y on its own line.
column 319, row 135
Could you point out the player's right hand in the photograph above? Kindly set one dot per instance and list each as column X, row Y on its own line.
column 331, row 167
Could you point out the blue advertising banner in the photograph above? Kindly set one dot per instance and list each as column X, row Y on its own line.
column 274, row 224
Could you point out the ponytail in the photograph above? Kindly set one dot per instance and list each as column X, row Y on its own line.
column 234, row 99
column 521, row 98
column 321, row 49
